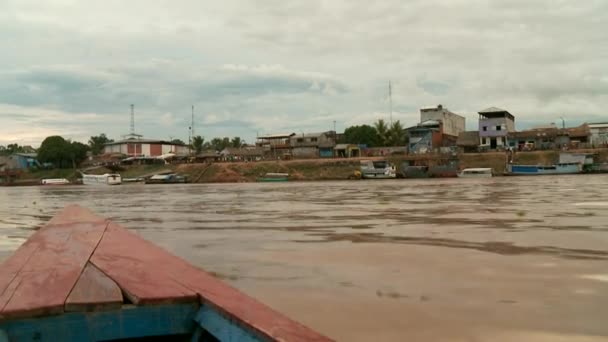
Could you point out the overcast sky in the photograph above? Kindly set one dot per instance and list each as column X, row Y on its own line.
column 258, row 67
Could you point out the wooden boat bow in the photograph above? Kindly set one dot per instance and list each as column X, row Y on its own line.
column 85, row 278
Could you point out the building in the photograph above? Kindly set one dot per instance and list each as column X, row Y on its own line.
column 139, row 147
column 549, row 137
column 276, row 145
column 451, row 124
column 468, row 141
column 19, row 161
column 438, row 128
column 598, row 134
column 347, row 151
column 313, row 145
column 494, row 127
column 242, row 154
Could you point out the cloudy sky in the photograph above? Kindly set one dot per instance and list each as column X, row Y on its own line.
column 258, row 67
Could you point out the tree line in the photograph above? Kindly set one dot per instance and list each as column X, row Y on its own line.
column 378, row 135
column 217, row 144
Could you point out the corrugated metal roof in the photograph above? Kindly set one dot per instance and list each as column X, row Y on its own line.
column 277, row 136
column 493, row 110
column 143, row 141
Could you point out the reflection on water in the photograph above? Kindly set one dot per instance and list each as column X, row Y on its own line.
column 308, row 237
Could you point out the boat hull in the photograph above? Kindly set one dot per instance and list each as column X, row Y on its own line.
column 538, row 170
column 105, row 179
column 107, row 283
column 269, row 179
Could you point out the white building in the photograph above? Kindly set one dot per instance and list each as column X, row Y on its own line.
column 452, row 124
column 599, row 134
column 145, row 147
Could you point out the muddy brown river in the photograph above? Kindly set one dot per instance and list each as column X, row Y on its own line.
column 503, row 259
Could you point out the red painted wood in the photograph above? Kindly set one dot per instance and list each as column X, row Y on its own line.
column 48, row 265
column 141, row 271
column 148, row 273
column 156, row 149
column 94, row 291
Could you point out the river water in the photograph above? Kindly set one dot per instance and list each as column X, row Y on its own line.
column 506, row 259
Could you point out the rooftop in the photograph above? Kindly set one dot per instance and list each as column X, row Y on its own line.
column 495, row 112
column 277, row 136
column 144, row 141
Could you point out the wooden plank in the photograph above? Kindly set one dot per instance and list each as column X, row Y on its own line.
column 139, row 268
column 12, row 266
column 94, row 291
column 133, row 322
column 60, row 251
column 148, row 273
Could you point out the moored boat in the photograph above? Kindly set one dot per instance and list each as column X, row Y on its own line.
column 533, row 170
column 55, row 181
column 105, row 179
column 274, row 177
column 379, row 169
column 479, row 172
column 170, row 178
column 84, row 278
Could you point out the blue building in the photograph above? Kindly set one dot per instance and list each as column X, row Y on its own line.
column 24, row 160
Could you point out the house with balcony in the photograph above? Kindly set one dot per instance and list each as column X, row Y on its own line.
column 313, row 145
column 495, row 124
column 275, row 145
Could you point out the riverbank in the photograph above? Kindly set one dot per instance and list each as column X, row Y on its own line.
column 300, row 170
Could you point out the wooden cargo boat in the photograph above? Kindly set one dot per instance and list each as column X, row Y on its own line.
column 479, row 172
column 170, row 178
column 274, row 177
column 55, row 181
column 84, row 278
column 105, row 179
column 532, row 170
column 380, row 169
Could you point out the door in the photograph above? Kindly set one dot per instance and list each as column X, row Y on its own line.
column 493, row 143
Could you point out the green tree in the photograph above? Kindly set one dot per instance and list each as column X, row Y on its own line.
column 97, row 143
column 396, row 135
column 177, row 141
column 363, row 134
column 198, row 143
column 237, row 142
column 55, row 150
column 77, row 152
column 381, row 131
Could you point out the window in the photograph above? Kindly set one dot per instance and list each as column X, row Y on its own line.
column 313, row 139
column 300, row 140
column 485, row 128
column 498, row 128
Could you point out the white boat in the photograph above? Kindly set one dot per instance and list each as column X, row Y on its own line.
column 55, row 181
column 380, row 169
column 480, row 172
column 105, row 179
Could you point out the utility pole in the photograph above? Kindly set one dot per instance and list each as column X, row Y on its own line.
column 563, row 123
column 192, row 125
column 132, row 119
column 390, row 100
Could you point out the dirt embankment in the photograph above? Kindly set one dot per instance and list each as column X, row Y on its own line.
column 302, row 170
column 307, row 170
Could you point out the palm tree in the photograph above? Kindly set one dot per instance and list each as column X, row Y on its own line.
column 381, row 131
column 396, row 134
column 197, row 143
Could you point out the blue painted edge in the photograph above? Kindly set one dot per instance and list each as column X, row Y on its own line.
column 224, row 328
column 129, row 322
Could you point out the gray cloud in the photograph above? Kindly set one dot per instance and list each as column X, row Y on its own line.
column 270, row 66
